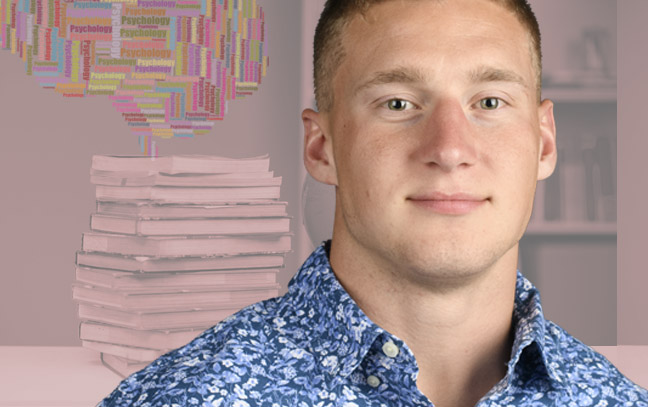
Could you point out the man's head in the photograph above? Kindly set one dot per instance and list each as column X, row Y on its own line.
column 435, row 139
column 329, row 51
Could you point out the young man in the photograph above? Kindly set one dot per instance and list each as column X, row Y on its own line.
column 431, row 127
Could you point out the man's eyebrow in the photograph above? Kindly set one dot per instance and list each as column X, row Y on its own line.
column 413, row 75
column 396, row 75
column 490, row 74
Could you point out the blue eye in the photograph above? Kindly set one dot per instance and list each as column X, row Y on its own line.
column 491, row 103
column 398, row 104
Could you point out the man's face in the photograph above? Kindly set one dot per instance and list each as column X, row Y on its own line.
column 437, row 136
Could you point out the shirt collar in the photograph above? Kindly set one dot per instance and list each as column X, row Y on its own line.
column 316, row 290
column 532, row 337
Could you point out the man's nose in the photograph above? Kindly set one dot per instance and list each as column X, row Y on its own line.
column 447, row 139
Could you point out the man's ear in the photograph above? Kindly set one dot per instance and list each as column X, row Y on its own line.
column 318, row 147
column 547, row 155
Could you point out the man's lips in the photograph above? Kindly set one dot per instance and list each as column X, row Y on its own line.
column 448, row 204
column 440, row 196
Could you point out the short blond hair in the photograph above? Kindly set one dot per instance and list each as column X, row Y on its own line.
column 328, row 51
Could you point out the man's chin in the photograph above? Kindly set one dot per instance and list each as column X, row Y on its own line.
column 447, row 272
column 446, row 263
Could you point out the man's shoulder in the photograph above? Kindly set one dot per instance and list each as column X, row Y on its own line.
column 244, row 357
column 586, row 370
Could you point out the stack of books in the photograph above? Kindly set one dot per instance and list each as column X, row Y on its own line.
column 177, row 244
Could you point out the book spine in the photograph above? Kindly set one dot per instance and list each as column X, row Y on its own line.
column 590, row 197
column 573, row 188
column 603, row 154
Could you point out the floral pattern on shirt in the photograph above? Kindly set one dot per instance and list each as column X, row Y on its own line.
column 315, row 347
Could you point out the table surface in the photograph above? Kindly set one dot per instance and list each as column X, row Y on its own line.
column 53, row 376
column 63, row 376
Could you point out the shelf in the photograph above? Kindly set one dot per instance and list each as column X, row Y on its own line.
column 580, row 94
column 560, row 228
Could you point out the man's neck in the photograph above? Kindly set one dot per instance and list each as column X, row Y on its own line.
column 461, row 337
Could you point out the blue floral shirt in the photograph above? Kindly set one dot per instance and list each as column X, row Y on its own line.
column 315, row 347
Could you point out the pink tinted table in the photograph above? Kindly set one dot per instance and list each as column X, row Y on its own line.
column 53, row 376
column 632, row 361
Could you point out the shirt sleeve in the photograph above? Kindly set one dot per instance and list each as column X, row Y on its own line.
column 140, row 388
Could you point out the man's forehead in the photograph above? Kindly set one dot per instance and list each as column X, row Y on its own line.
column 396, row 17
column 373, row 31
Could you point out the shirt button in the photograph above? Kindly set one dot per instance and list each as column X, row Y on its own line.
column 390, row 349
column 373, row 381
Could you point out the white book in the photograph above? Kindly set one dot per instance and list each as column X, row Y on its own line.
column 181, row 164
column 193, row 180
column 149, row 210
column 227, row 279
column 192, row 319
column 573, row 191
column 151, row 264
column 170, row 300
column 148, row 173
column 132, row 353
column 170, row 227
column 198, row 195
column 151, row 339
column 121, row 366
column 184, row 246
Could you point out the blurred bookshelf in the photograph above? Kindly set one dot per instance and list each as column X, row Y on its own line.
column 569, row 250
column 572, row 228
column 582, row 199
column 581, row 94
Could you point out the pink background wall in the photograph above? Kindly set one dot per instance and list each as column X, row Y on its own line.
column 632, row 279
column 47, row 142
column 47, row 198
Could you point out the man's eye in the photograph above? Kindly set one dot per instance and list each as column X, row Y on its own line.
column 398, row 105
column 491, row 103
